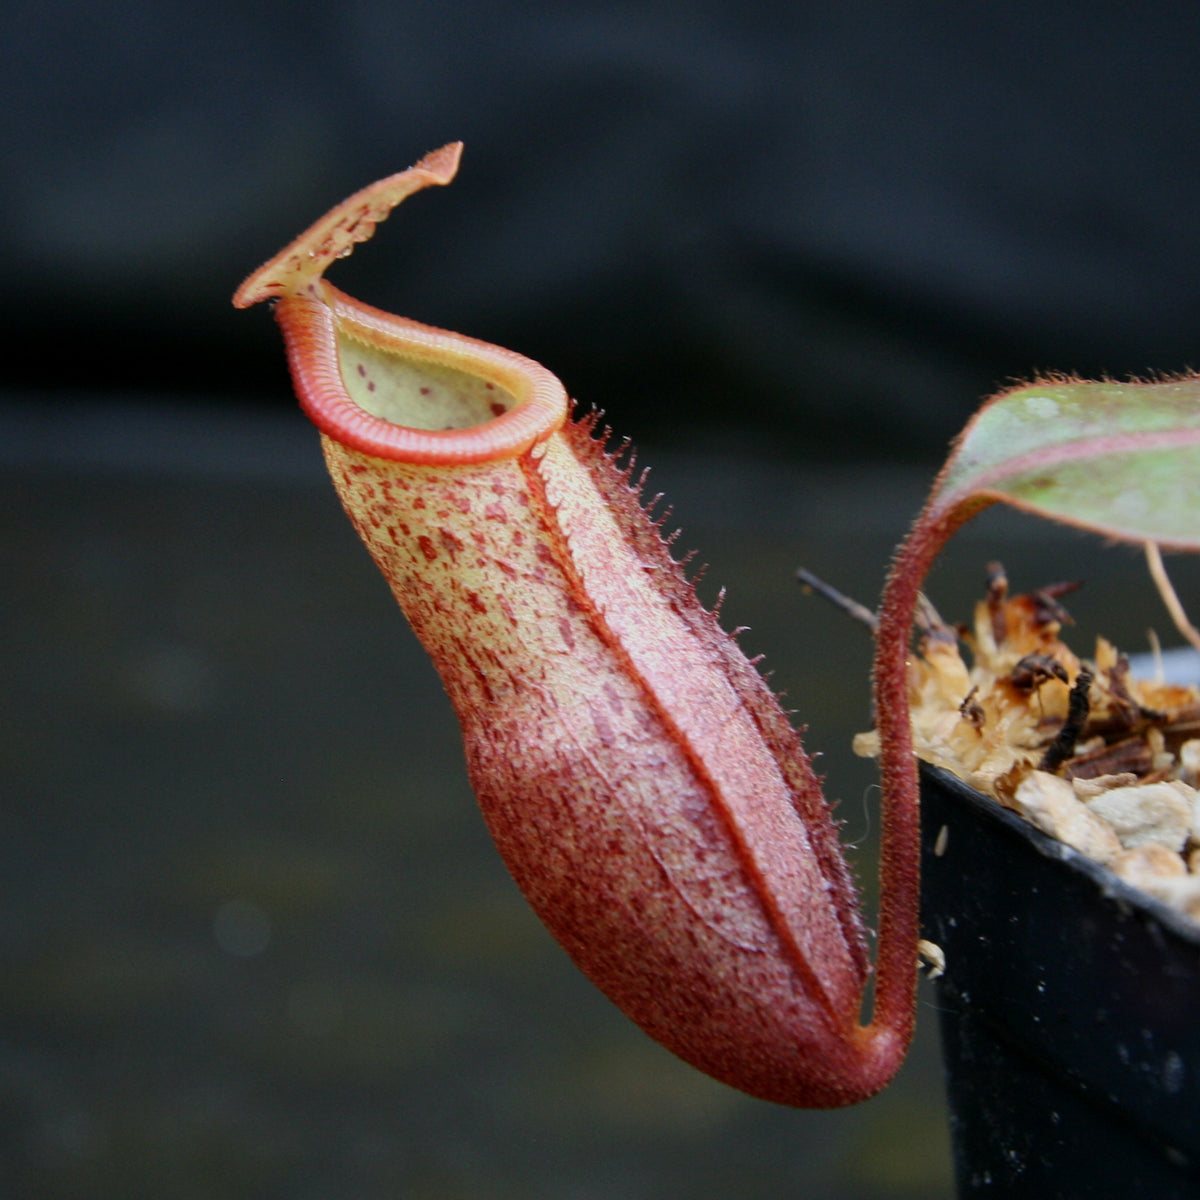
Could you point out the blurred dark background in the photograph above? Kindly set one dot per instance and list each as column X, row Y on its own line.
column 253, row 939
column 860, row 216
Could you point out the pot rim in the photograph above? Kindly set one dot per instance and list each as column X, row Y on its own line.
column 1111, row 887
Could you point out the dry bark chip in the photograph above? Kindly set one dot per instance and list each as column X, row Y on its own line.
column 1148, row 813
column 1050, row 803
column 1146, row 865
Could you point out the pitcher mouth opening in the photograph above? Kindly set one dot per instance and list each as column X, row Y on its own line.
column 403, row 391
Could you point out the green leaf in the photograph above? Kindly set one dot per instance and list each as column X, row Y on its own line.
column 1121, row 459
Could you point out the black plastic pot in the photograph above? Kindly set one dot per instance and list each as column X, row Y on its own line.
column 1070, row 1012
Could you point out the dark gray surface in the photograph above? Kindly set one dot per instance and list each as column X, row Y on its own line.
column 254, row 941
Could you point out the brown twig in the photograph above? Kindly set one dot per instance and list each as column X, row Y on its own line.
column 1162, row 581
column 839, row 600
